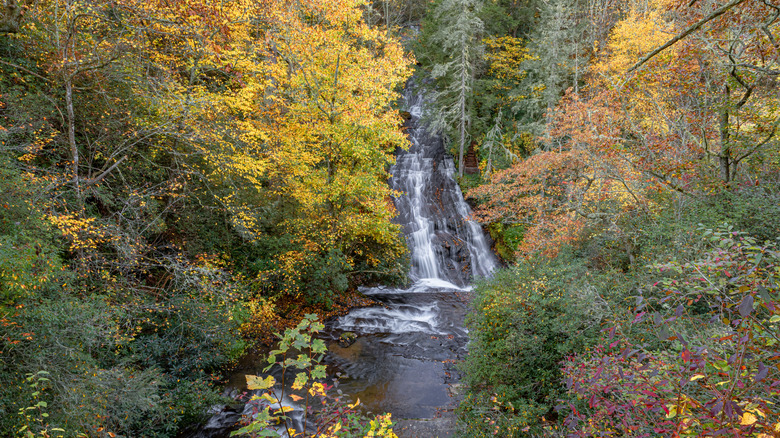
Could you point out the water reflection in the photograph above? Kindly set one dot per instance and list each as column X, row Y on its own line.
column 403, row 359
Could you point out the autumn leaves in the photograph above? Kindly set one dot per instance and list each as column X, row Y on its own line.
column 323, row 112
column 298, row 130
column 698, row 116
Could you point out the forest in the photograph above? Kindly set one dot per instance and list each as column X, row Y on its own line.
column 182, row 179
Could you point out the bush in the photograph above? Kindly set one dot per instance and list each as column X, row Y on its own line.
column 300, row 353
column 507, row 238
column 524, row 322
column 138, row 368
column 713, row 369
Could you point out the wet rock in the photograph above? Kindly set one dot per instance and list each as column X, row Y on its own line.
column 224, row 419
column 443, row 427
column 346, row 339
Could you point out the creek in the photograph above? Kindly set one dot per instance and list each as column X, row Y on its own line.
column 403, row 360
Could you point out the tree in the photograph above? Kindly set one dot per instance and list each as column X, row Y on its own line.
column 558, row 45
column 458, row 32
column 704, row 96
column 315, row 130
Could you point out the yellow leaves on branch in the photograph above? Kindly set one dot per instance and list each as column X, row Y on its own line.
column 506, row 56
column 630, row 39
column 255, row 382
column 284, row 102
column 313, row 123
column 82, row 232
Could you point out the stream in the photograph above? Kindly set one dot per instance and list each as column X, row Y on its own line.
column 403, row 360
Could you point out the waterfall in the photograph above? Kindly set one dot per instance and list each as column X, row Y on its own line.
column 403, row 360
column 444, row 243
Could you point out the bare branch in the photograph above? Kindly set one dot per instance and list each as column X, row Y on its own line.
column 758, row 146
column 715, row 14
column 97, row 179
column 764, row 70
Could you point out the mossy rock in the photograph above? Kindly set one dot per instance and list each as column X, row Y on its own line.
column 346, row 339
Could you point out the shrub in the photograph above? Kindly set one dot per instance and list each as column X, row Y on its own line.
column 524, row 321
column 714, row 370
column 300, row 353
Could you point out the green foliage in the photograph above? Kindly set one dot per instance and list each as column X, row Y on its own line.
column 505, row 17
column 27, row 268
column 468, row 181
column 753, row 210
column 524, row 321
column 107, row 379
column 507, row 238
column 301, row 353
column 35, row 417
column 29, row 261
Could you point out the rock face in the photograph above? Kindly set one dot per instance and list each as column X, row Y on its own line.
column 444, row 243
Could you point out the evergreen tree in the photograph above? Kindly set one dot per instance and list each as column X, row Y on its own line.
column 457, row 36
column 558, row 63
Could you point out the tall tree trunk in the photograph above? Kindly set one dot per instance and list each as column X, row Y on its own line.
column 74, row 150
column 462, row 111
column 725, row 139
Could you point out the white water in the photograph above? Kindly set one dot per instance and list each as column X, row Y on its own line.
column 432, row 209
column 398, row 361
column 396, row 320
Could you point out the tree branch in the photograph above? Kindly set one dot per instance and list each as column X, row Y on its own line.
column 764, row 70
column 97, row 179
column 19, row 67
column 760, row 144
column 715, row 14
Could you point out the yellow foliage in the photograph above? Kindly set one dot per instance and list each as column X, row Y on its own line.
column 81, row 232
column 506, row 56
column 255, row 382
column 312, row 125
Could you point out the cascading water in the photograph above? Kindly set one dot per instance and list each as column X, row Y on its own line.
column 444, row 244
column 402, row 360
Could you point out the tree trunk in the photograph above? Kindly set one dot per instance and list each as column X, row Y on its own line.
column 725, row 140
column 74, row 150
column 462, row 111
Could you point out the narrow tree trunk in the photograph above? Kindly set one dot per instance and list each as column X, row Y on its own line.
column 489, row 166
column 725, row 140
column 74, row 150
column 67, row 48
column 387, row 17
column 462, row 112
